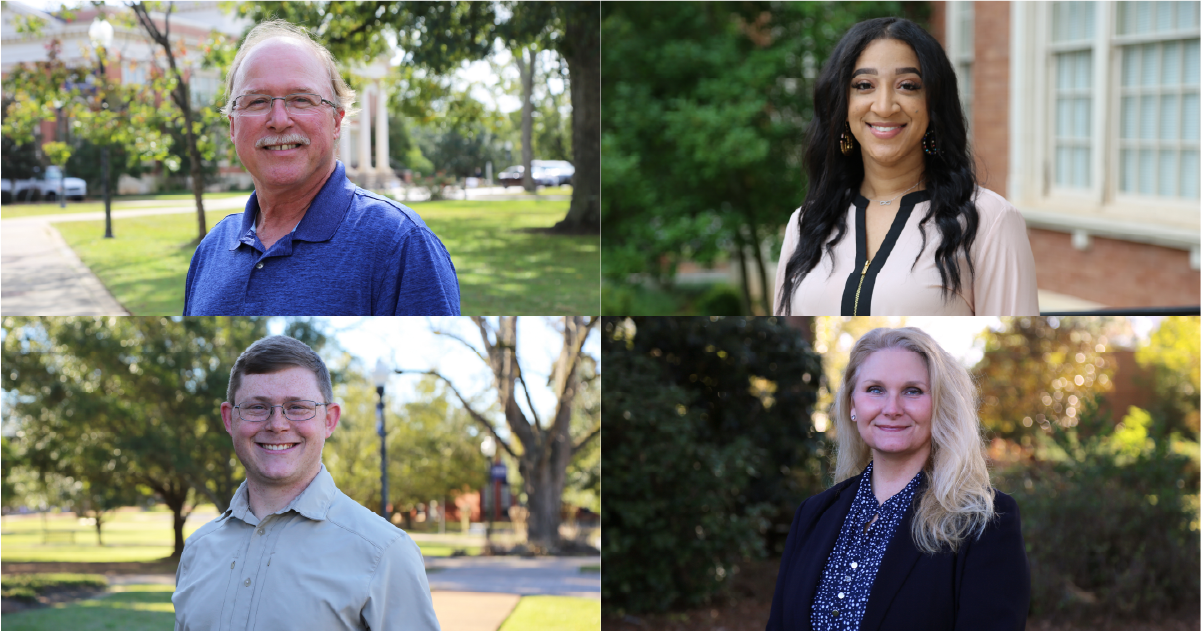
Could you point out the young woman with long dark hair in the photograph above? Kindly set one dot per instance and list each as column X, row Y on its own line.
column 894, row 222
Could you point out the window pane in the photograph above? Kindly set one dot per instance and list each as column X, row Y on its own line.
column 1167, row 173
column 1146, row 172
column 1129, row 65
column 1192, row 60
column 1150, row 64
column 1084, row 70
column 1188, row 173
column 1083, row 121
column 1170, row 71
column 1063, row 117
column 1169, row 125
column 1190, row 122
column 1142, row 17
column 1146, row 113
column 1081, row 169
column 1064, row 71
column 1188, row 14
column 1163, row 16
column 1129, row 117
column 1062, row 159
column 1128, row 170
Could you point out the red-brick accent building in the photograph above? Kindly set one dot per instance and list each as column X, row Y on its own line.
column 1084, row 115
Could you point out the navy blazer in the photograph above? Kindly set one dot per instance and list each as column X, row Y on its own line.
column 985, row 586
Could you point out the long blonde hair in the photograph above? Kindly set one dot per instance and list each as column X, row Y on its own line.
column 958, row 500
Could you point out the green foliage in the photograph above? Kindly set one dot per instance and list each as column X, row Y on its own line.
column 1111, row 528
column 85, row 163
column 56, row 152
column 707, row 452
column 704, row 108
column 1173, row 355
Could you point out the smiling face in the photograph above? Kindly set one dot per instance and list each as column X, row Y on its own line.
column 892, row 403
column 278, row 452
column 886, row 107
column 279, row 67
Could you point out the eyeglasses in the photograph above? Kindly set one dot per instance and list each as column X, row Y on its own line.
column 299, row 104
column 293, row 411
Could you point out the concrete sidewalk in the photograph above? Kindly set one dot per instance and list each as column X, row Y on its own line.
column 40, row 275
column 559, row 576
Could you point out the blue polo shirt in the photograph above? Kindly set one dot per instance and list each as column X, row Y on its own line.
column 353, row 253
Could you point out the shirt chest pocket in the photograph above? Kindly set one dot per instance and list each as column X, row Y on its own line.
column 302, row 591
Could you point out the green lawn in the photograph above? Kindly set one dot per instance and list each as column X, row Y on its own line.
column 562, row 613
column 502, row 269
column 129, row 537
column 127, row 202
column 124, row 608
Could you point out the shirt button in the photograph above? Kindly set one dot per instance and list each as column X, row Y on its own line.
column 260, row 531
column 840, row 594
column 259, row 266
column 231, row 564
column 854, row 565
column 247, row 582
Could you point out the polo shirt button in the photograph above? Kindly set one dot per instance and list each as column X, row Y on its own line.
column 247, row 582
column 259, row 266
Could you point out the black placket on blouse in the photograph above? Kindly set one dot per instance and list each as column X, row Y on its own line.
column 873, row 270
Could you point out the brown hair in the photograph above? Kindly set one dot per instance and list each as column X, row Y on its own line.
column 273, row 354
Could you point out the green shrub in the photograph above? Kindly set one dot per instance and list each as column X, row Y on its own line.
column 27, row 586
column 1110, row 529
column 720, row 300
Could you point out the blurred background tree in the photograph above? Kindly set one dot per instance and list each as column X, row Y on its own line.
column 709, row 446
column 704, row 118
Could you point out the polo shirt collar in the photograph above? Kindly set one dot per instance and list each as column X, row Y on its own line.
column 320, row 221
column 313, row 502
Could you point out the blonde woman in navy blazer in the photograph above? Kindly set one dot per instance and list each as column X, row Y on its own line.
column 912, row 536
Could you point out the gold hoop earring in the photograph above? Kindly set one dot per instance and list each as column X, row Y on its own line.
column 846, row 142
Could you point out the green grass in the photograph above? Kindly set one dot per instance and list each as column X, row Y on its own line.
column 12, row 211
column 563, row 613
column 125, row 608
column 501, row 269
column 590, row 569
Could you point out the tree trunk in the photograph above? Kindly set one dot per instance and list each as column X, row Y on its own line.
column 525, row 67
column 740, row 246
column 544, row 479
column 757, row 248
column 99, row 519
column 194, row 157
column 582, row 53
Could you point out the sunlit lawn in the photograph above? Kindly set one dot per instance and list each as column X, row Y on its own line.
column 124, row 608
column 128, row 537
column 126, row 202
column 502, row 269
column 562, row 613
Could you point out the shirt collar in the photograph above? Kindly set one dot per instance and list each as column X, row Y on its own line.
column 320, row 221
column 899, row 501
column 313, row 502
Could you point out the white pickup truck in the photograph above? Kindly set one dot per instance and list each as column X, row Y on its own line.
column 45, row 186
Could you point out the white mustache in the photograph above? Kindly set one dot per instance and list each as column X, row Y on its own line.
column 287, row 139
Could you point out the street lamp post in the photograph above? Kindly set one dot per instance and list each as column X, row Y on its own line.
column 381, row 377
column 101, row 34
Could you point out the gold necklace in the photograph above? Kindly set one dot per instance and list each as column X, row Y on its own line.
column 885, row 203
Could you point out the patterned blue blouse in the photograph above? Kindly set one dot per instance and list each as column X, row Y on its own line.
column 851, row 569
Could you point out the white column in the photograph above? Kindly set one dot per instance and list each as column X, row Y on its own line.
column 365, row 136
column 381, row 131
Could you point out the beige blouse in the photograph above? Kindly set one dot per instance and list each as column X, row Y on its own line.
column 1003, row 283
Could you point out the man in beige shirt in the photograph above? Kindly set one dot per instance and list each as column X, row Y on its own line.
column 293, row 552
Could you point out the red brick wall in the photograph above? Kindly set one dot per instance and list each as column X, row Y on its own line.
column 1115, row 273
column 990, row 95
column 938, row 22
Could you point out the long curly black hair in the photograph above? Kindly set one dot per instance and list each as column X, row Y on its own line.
column 834, row 179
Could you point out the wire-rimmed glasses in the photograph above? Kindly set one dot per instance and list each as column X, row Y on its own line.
column 293, row 411
column 298, row 104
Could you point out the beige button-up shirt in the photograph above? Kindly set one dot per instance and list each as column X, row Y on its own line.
column 324, row 562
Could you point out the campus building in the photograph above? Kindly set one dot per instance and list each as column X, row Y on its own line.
column 134, row 57
column 1085, row 116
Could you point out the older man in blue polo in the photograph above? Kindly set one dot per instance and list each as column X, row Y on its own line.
column 309, row 242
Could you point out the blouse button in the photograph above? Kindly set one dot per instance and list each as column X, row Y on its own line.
column 847, row 579
column 840, row 594
column 834, row 614
column 854, row 565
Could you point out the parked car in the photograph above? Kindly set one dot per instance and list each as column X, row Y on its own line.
column 542, row 176
column 563, row 170
column 46, row 186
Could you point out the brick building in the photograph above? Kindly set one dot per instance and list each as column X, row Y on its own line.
column 1085, row 116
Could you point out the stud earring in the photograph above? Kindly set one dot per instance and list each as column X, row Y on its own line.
column 846, row 142
column 852, row 417
column 929, row 144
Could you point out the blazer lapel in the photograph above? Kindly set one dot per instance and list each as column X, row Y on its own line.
column 818, row 548
column 898, row 562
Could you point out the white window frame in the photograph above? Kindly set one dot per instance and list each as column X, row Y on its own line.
column 959, row 57
column 1099, row 209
